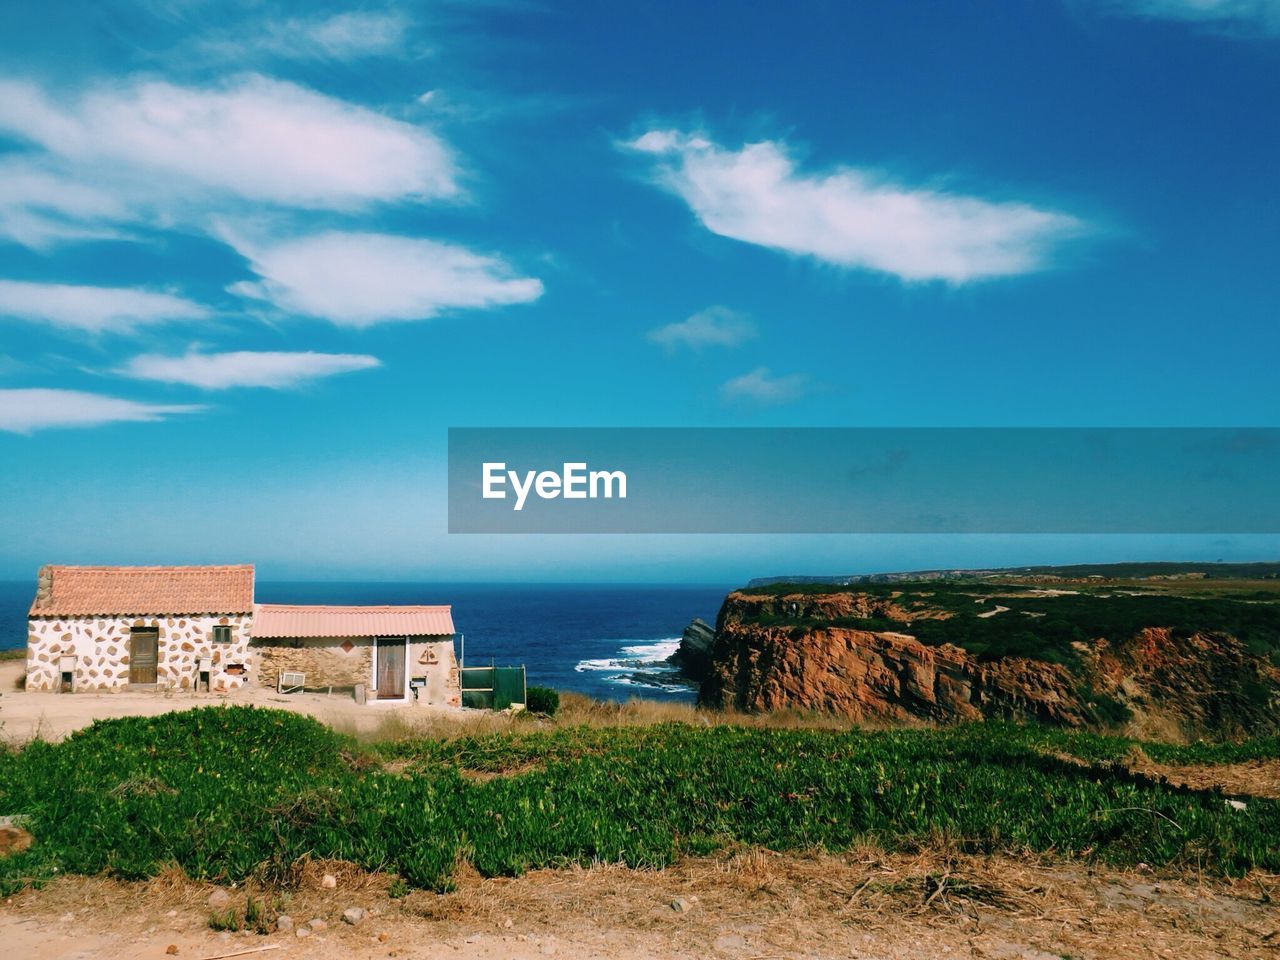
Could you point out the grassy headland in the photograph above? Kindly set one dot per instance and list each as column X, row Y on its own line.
column 1042, row 620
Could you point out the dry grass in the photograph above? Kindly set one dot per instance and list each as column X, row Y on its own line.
column 579, row 710
column 1253, row 778
column 777, row 903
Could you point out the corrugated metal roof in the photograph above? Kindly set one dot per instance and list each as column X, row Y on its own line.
column 276, row 620
column 138, row 591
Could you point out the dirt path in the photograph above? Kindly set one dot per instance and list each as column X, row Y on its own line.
column 747, row 906
column 1253, row 778
column 51, row 716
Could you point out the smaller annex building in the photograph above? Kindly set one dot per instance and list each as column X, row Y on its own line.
column 394, row 653
column 109, row 629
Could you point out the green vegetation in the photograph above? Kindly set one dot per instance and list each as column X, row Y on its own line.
column 542, row 700
column 1044, row 627
column 225, row 920
column 237, row 793
column 1099, row 748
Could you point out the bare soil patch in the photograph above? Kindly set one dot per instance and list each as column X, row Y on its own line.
column 1253, row 778
column 748, row 904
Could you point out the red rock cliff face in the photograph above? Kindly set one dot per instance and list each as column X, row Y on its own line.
column 1205, row 684
column 1183, row 686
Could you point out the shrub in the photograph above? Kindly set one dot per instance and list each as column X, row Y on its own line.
column 256, row 917
column 542, row 700
column 224, row 920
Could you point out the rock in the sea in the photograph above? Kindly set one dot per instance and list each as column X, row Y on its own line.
column 693, row 656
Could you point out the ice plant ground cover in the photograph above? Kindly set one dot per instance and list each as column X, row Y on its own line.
column 232, row 793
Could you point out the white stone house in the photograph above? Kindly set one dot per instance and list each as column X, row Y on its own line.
column 114, row 628
column 108, row 629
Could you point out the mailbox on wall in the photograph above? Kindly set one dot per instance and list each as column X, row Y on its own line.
column 67, row 673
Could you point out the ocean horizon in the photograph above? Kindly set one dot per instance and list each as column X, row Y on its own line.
column 605, row 640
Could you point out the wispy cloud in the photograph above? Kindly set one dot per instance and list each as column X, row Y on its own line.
column 851, row 218
column 29, row 410
column 41, row 206
column 245, row 368
column 1244, row 16
column 154, row 148
column 347, row 36
column 712, row 327
column 360, row 279
column 762, row 387
column 93, row 309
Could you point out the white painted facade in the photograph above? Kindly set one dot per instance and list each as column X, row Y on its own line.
column 101, row 648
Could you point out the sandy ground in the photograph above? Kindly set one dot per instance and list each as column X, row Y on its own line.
column 750, row 905
column 53, row 715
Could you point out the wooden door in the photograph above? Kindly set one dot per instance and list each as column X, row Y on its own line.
column 144, row 643
column 391, row 654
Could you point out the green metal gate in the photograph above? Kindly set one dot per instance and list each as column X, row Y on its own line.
column 492, row 688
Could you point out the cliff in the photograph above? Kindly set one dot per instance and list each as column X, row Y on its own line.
column 774, row 652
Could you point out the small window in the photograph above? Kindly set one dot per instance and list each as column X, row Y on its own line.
column 221, row 634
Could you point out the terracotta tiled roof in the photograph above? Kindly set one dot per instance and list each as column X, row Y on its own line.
column 134, row 591
column 275, row 620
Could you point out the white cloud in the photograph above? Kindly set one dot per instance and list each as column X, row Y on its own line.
column 1245, row 15
column 848, row 217
column 359, row 279
column 760, row 386
column 28, row 410
column 93, row 309
column 254, row 138
column 713, row 327
column 245, row 368
column 344, row 36
column 40, row 207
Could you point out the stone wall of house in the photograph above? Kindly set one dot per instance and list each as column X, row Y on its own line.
column 101, row 648
column 326, row 661
column 435, row 661
column 346, row 661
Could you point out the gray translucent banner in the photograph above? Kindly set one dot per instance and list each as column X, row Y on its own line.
column 872, row 480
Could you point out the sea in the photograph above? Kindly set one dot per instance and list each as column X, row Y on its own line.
column 608, row 641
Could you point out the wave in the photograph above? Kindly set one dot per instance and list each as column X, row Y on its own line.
column 641, row 664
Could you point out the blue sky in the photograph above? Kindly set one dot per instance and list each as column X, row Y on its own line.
column 256, row 258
